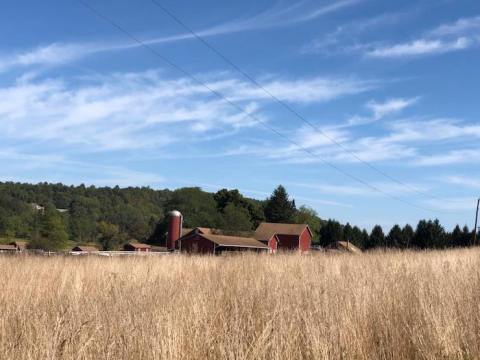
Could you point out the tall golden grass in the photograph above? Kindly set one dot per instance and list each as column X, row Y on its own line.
column 374, row 306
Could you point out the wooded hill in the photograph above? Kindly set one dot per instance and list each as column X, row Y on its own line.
column 54, row 216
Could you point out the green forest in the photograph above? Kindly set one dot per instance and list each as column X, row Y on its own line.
column 57, row 216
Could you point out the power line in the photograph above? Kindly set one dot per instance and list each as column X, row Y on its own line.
column 248, row 114
column 285, row 105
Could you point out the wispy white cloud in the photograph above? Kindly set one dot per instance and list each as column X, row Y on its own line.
column 464, row 181
column 452, row 203
column 432, row 130
column 421, row 47
column 345, row 39
column 459, row 35
column 380, row 110
column 51, row 55
column 463, row 26
column 402, row 142
column 62, row 53
column 134, row 110
column 390, row 106
column 448, row 158
column 349, row 190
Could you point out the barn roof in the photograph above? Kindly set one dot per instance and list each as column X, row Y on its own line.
column 234, row 241
column 138, row 245
column 85, row 248
column 344, row 246
column 8, row 247
column 185, row 231
column 20, row 244
column 265, row 230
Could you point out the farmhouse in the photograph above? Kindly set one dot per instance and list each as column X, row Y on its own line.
column 268, row 237
column 135, row 246
column 85, row 249
column 7, row 248
column 20, row 245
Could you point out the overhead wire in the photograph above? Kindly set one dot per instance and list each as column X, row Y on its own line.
column 243, row 111
column 287, row 106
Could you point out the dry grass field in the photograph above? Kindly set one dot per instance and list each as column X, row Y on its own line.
column 374, row 306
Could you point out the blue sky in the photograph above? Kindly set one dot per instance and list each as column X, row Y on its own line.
column 394, row 83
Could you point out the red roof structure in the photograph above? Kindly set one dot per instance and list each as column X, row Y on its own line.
column 285, row 236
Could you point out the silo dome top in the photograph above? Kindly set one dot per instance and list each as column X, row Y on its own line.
column 175, row 213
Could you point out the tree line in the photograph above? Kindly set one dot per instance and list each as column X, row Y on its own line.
column 54, row 216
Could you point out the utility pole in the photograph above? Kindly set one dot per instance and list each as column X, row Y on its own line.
column 475, row 229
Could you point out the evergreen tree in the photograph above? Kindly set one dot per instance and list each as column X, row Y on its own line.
column 331, row 232
column 365, row 239
column 278, row 208
column 456, row 237
column 377, row 237
column 347, row 232
column 467, row 236
column 357, row 237
column 407, row 236
column 395, row 237
column 429, row 234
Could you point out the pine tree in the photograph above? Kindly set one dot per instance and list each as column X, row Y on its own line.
column 456, row 237
column 407, row 236
column 348, row 232
column 394, row 238
column 278, row 208
column 377, row 237
column 357, row 237
column 331, row 232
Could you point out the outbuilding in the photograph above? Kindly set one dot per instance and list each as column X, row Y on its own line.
column 343, row 247
column 20, row 245
column 284, row 236
column 207, row 243
column 7, row 248
column 135, row 246
column 85, row 249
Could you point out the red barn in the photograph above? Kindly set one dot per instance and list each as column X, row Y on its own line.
column 284, row 236
column 268, row 236
column 201, row 240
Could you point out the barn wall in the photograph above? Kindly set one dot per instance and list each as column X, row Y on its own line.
column 272, row 244
column 197, row 244
column 305, row 240
column 287, row 242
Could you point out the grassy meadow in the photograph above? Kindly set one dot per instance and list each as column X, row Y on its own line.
column 394, row 305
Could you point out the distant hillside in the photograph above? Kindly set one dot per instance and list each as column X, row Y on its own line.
column 56, row 216
column 53, row 214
